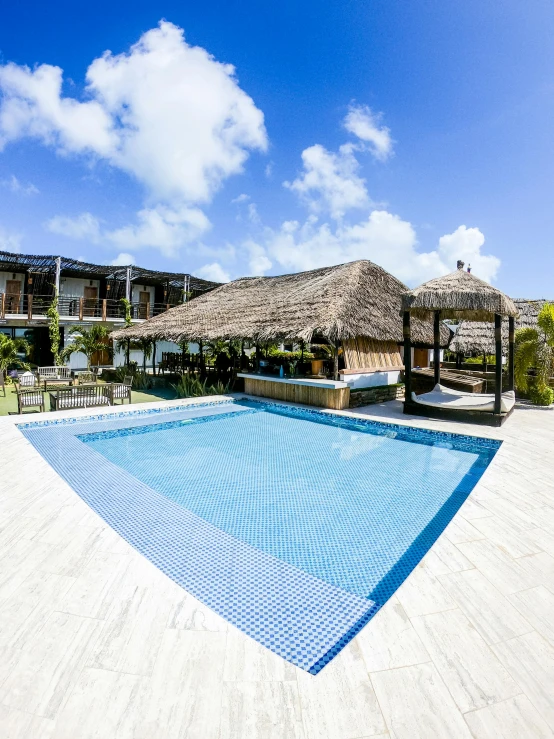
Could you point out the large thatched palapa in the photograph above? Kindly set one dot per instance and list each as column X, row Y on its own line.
column 477, row 337
column 340, row 303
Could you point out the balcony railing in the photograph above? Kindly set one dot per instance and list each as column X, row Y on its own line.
column 106, row 309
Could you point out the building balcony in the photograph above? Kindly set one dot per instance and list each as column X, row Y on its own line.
column 75, row 309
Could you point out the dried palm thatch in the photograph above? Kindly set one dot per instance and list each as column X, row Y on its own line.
column 458, row 295
column 340, row 302
column 476, row 337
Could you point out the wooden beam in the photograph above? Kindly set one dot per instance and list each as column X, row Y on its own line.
column 3, row 305
column 436, row 346
column 81, row 302
column 104, row 309
column 29, row 306
column 498, row 352
column 511, row 337
column 407, row 359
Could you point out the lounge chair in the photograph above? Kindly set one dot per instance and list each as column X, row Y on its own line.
column 30, row 398
column 81, row 396
column 445, row 397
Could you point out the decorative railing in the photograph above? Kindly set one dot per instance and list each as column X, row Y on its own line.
column 36, row 306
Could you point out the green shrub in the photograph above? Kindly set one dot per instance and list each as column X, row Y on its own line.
column 190, row 386
column 541, row 395
column 491, row 359
column 278, row 356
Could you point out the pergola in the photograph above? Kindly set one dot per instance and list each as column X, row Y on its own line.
column 460, row 295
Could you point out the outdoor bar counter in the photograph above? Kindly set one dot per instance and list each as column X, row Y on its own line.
column 322, row 393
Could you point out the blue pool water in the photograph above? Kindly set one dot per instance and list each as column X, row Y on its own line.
column 295, row 525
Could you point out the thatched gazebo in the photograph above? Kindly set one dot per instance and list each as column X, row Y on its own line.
column 476, row 337
column 460, row 295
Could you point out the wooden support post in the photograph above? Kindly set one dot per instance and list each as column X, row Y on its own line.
column 3, row 305
column 148, row 314
column 81, row 303
column 153, row 357
column 336, row 361
column 407, row 360
column 104, row 309
column 498, row 376
column 29, row 306
column 436, row 346
column 511, row 337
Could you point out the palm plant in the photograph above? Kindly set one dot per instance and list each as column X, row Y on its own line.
column 9, row 350
column 88, row 342
column 534, row 348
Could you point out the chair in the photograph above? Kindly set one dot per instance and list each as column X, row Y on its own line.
column 54, row 373
column 27, row 379
column 30, row 399
column 81, row 396
column 120, row 391
column 87, row 378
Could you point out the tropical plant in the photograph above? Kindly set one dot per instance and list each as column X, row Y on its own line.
column 541, row 396
column 54, row 328
column 534, row 350
column 87, row 341
column 190, row 386
column 145, row 346
column 9, row 351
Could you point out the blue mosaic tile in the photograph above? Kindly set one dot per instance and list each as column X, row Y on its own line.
column 294, row 525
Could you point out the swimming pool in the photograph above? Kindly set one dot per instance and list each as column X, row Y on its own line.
column 295, row 525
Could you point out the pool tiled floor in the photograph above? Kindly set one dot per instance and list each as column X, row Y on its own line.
column 96, row 642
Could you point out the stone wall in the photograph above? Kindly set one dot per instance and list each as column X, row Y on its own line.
column 378, row 394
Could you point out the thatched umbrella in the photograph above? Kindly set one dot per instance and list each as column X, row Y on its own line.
column 459, row 295
column 477, row 337
column 336, row 303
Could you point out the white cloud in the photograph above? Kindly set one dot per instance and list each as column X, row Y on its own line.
column 330, row 181
column 214, row 272
column 268, row 171
column 366, row 125
column 85, row 226
column 258, row 261
column 10, row 240
column 166, row 112
column 123, row 260
column 242, row 198
column 383, row 237
column 13, row 184
column 164, row 228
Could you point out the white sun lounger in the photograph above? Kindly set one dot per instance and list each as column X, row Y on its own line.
column 444, row 397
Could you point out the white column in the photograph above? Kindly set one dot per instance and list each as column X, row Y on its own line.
column 58, row 273
column 128, row 284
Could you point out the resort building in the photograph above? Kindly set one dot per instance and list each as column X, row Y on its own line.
column 87, row 294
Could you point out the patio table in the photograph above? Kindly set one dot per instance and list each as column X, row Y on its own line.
column 57, row 382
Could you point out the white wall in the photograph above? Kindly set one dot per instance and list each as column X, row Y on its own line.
column 74, row 287
column 371, row 379
column 136, row 289
column 5, row 276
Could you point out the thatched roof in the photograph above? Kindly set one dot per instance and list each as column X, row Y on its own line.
column 458, row 295
column 340, row 302
column 475, row 337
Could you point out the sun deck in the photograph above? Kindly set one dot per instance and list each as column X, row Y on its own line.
column 96, row 641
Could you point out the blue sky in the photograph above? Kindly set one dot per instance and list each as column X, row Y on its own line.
column 407, row 133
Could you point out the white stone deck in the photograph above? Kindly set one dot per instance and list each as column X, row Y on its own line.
column 96, row 642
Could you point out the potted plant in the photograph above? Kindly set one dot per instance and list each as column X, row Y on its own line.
column 321, row 352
